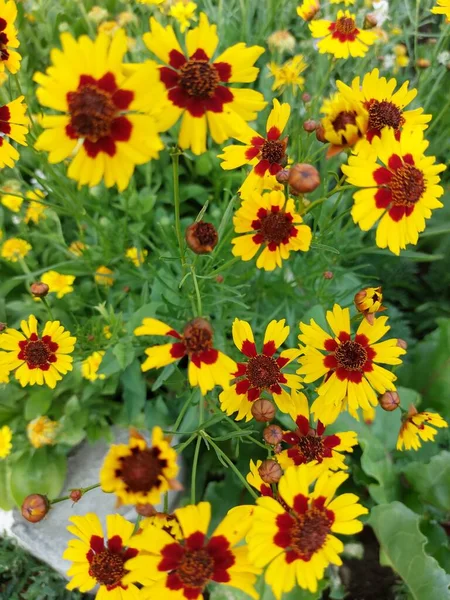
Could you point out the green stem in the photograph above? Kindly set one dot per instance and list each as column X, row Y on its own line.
column 194, row 468
column 175, row 155
column 197, row 293
column 49, row 310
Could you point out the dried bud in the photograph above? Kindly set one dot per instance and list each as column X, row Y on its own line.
column 198, row 333
column 282, row 176
column 370, row 21
column 306, row 97
column 270, row 471
column 35, row 507
column 273, row 434
column 402, row 344
column 76, row 495
column 39, row 289
column 126, row 289
column 309, row 125
column 3, row 326
column 90, row 337
column 303, row 178
column 389, row 401
column 320, row 134
column 219, row 279
column 201, row 237
column 278, row 448
column 328, row 275
column 423, row 63
column 146, row 510
column 263, row 410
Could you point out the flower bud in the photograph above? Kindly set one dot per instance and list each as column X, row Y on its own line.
column 368, row 302
column 306, row 97
column 402, row 344
column 270, row 471
column 39, row 289
column 278, row 448
column 3, row 326
column 201, row 237
column 320, row 134
column 370, row 21
column 219, row 279
column 146, row 510
column 423, row 63
column 389, row 401
column 309, row 125
column 263, row 410
column 273, row 434
column 75, row 495
column 282, row 176
column 328, row 275
column 303, row 178
column 35, row 507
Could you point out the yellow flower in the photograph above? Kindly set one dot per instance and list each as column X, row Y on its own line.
column 58, row 283
column 442, row 8
column 136, row 256
column 102, row 276
column 42, row 431
column 416, row 427
column 109, row 28
column 37, row 360
column 5, row 441
column 184, row 13
column 77, row 248
column 91, row 365
column 396, row 30
column 9, row 58
column 288, row 74
column 342, row 38
column 36, row 208
column 13, row 123
column 308, row 9
column 369, row 301
column 12, row 202
column 345, row 120
column 14, row 249
column 138, row 473
column 281, row 40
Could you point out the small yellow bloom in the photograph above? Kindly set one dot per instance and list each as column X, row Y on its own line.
column 281, row 40
column 342, row 38
column 77, row 248
column 288, row 74
column 308, row 9
column 107, row 332
column 42, row 432
column 109, row 27
column 101, row 276
column 184, row 14
column 12, row 202
column 5, row 441
column 58, row 283
column 416, row 426
column 14, row 249
column 91, row 365
column 136, row 256
column 36, row 209
column 97, row 14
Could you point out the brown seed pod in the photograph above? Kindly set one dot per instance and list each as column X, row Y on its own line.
column 75, row 495
column 303, row 178
column 39, row 289
column 35, row 507
column 389, row 401
column 282, row 176
column 328, row 275
column 320, row 134
column 263, row 410
column 201, row 237
column 3, row 326
column 306, row 97
column 310, row 125
column 270, row 471
column 273, row 434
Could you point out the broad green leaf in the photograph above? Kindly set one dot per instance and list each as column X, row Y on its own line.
column 402, row 544
column 124, row 353
column 38, row 472
column 431, row 481
column 38, row 403
column 134, row 391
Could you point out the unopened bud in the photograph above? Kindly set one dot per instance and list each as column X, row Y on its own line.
column 306, row 97
column 320, row 134
column 309, row 125
column 303, row 178
column 273, row 434
column 370, row 21
column 263, row 410
column 3, row 326
column 39, row 289
column 389, row 401
column 270, row 471
column 328, row 275
column 126, row 289
column 278, row 448
column 146, row 510
column 282, row 176
column 201, row 237
column 76, row 495
column 219, row 279
column 35, row 507
column 423, row 63
column 90, row 337
column 402, row 344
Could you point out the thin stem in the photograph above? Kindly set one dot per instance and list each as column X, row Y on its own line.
column 197, row 293
column 186, row 405
column 49, row 310
column 175, row 155
column 194, row 468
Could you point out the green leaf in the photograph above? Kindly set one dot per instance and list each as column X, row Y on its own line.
column 431, row 481
column 124, row 352
column 402, row 543
column 38, row 403
column 226, row 592
column 6, row 501
column 134, row 391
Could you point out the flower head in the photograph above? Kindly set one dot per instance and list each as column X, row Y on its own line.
column 184, row 13
column 294, row 535
column 9, row 58
column 103, row 276
column 416, row 426
column 208, row 367
column 349, row 365
column 108, row 121
column 5, row 441
column 37, row 360
column 369, row 301
column 138, row 473
column 288, row 74
column 91, row 365
column 196, row 87
column 136, row 256
column 98, row 559
column 58, row 283
column 97, row 14
column 271, row 222
column 400, row 188
column 344, row 122
column 14, row 249
column 36, row 208
column 42, row 432
column 172, row 569
column 308, row 9
column 13, row 124
column 262, row 372
column 8, row 197
column 77, row 248
column 342, row 38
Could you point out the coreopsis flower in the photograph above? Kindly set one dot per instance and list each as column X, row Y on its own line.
column 36, row 209
column 442, row 8
column 208, row 367
column 103, row 276
column 173, row 570
column 58, row 283
column 345, row 120
column 369, row 301
column 350, row 366
column 15, row 249
column 288, row 74
column 109, row 28
column 139, row 473
column 399, row 188
column 295, row 536
column 77, row 248
column 308, row 9
column 100, row 560
column 281, row 41
column 37, row 360
column 5, row 441
column 136, row 256
column 255, row 480
column 42, row 431
column 108, row 122
column 8, row 195
column 269, row 221
column 183, row 13
column 195, row 83
column 310, row 444
column 416, row 426
column 91, row 365
column 342, row 38
column 9, row 58
column 13, row 124
column 262, row 372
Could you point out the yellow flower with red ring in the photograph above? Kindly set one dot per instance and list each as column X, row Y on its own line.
column 179, row 570
column 138, row 473
column 108, row 120
column 9, row 58
column 37, row 360
column 400, row 188
column 295, row 537
column 308, row 9
column 342, row 38
column 100, row 560
column 350, row 366
column 208, row 367
column 14, row 126
column 262, row 373
column 269, row 221
column 418, row 426
column 345, row 120
column 196, row 87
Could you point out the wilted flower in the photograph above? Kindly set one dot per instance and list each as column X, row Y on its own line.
column 282, row 41
column 201, row 237
column 97, row 14
column 42, row 431
column 416, row 426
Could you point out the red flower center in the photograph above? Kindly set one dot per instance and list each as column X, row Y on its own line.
column 384, row 114
column 275, row 227
column 311, row 447
column 199, row 78
column 407, row 185
column 263, row 371
column 273, row 151
column 107, row 568
column 92, row 112
column 346, row 25
column 4, row 54
column 350, row 355
column 344, row 118
column 206, row 234
column 196, row 568
column 309, row 532
column 141, row 470
column 198, row 336
column 38, row 353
